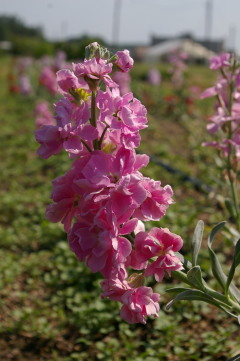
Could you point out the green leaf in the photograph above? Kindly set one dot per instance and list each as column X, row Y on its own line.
column 235, row 263
column 194, row 295
column 177, row 290
column 195, row 277
column 197, row 241
column 216, row 267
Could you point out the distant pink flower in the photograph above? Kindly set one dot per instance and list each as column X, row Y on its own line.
column 48, row 79
column 124, row 61
column 220, row 61
column 217, row 89
column 154, row 77
column 123, row 80
column 43, row 115
column 218, row 120
column 25, row 87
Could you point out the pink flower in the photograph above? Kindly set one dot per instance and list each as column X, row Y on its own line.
column 66, row 80
column 95, row 70
column 154, row 77
column 160, row 243
column 126, row 196
column 124, row 61
column 25, row 85
column 123, row 80
column 69, row 132
column 43, row 114
column 217, row 89
column 48, row 79
column 138, row 304
column 220, row 61
column 156, row 202
column 114, row 288
column 218, row 120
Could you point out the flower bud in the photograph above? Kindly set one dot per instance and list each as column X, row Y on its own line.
column 136, row 280
column 94, row 50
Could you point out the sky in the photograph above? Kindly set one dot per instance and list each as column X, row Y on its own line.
column 138, row 19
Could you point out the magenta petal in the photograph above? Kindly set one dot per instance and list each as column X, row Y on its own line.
column 89, row 133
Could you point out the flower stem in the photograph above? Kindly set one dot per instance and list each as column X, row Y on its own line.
column 93, row 119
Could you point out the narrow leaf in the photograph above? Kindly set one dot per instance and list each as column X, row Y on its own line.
column 194, row 295
column 197, row 241
column 235, row 263
column 216, row 267
column 177, row 290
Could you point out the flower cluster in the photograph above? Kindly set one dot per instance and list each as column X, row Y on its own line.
column 177, row 59
column 47, row 77
column 226, row 120
column 103, row 198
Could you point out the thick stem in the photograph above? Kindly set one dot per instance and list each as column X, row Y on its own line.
column 235, row 306
column 93, row 119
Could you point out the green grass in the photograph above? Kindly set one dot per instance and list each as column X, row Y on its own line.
column 50, row 303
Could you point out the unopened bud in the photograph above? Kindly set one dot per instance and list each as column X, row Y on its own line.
column 136, row 280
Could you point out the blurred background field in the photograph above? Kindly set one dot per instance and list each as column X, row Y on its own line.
column 50, row 306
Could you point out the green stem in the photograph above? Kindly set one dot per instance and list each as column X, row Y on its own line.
column 233, row 186
column 85, row 144
column 235, row 306
column 93, row 109
column 102, row 136
column 93, row 120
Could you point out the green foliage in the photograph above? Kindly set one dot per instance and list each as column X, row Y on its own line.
column 30, row 46
column 11, row 26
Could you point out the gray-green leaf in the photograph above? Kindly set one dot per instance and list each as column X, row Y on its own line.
column 197, row 241
column 193, row 295
column 235, row 263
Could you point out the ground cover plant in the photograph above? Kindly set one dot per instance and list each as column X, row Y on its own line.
column 50, row 303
